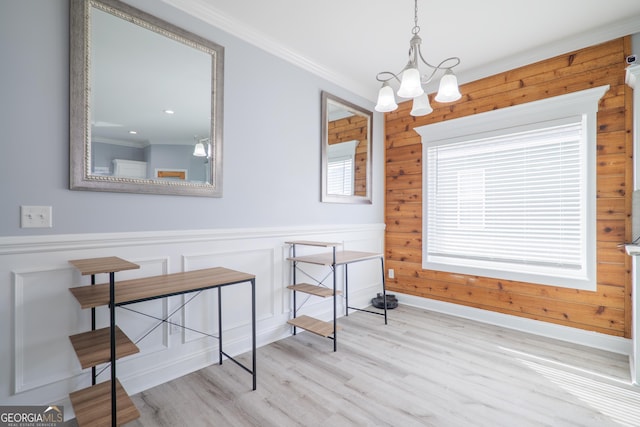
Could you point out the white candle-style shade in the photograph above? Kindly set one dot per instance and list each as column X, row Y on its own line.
column 448, row 90
column 199, row 150
column 421, row 106
column 410, row 86
column 386, row 99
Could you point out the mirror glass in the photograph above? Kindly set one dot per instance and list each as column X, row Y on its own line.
column 146, row 101
column 346, row 151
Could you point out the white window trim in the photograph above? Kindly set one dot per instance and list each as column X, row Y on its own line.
column 583, row 103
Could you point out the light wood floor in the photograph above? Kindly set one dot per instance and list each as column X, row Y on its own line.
column 422, row 369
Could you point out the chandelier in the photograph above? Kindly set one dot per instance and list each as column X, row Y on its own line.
column 411, row 81
column 202, row 148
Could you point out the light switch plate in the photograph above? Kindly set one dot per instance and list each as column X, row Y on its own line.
column 36, row 217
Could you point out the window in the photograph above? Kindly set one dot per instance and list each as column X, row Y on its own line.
column 340, row 164
column 510, row 193
column 340, row 176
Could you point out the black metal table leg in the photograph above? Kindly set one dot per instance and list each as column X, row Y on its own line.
column 346, row 289
column 253, row 330
column 220, row 324
column 384, row 290
column 112, row 312
column 335, row 324
column 93, row 328
column 295, row 304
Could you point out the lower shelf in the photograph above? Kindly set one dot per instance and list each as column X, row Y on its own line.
column 94, row 347
column 318, row 327
column 93, row 405
column 319, row 291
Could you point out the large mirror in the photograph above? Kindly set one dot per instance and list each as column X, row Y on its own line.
column 346, row 151
column 145, row 103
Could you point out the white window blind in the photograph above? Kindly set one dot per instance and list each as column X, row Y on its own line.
column 510, row 193
column 340, row 168
column 514, row 199
column 340, row 176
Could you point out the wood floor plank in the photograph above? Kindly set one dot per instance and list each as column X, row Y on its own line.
column 422, row 369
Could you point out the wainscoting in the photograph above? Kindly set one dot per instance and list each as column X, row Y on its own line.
column 38, row 313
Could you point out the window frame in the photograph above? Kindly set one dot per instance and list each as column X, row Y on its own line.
column 503, row 121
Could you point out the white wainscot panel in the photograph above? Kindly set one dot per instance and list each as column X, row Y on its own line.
column 365, row 274
column 45, row 314
column 365, row 245
column 201, row 313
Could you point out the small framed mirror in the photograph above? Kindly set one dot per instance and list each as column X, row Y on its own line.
column 145, row 103
column 346, row 151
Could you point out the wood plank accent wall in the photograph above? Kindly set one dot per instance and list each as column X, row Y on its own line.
column 608, row 309
column 348, row 129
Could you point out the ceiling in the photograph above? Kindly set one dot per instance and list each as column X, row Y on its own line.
column 349, row 42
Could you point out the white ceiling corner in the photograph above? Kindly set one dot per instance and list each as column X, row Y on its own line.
column 208, row 13
column 347, row 43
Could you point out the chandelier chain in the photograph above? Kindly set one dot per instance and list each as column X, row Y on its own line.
column 416, row 27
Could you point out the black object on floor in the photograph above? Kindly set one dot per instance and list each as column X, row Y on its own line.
column 378, row 302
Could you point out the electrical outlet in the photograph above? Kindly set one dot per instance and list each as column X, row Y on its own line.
column 36, row 217
column 392, row 274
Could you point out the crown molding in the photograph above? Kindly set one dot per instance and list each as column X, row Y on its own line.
column 624, row 27
column 206, row 11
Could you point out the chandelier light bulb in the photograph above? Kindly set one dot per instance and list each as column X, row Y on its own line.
column 386, row 99
column 421, row 106
column 448, row 90
column 410, row 86
column 199, row 150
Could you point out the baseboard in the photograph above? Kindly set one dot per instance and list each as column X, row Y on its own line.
column 564, row 333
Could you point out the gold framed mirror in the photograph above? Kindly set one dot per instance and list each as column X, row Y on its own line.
column 346, row 151
column 146, row 101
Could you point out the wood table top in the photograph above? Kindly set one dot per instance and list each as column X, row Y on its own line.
column 102, row 265
column 146, row 288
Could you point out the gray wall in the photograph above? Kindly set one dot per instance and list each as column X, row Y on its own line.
column 271, row 138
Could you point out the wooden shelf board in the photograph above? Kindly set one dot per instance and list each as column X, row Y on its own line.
column 146, row 288
column 342, row 257
column 318, row 327
column 93, row 405
column 102, row 265
column 94, row 347
column 313, row 243
column 319, row 291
